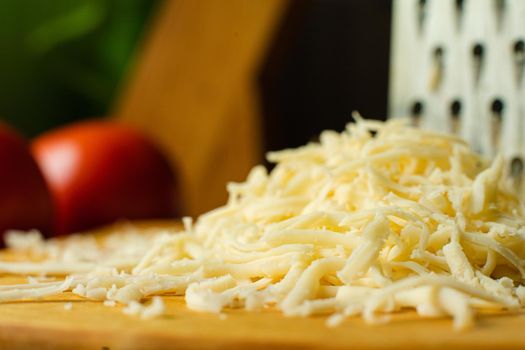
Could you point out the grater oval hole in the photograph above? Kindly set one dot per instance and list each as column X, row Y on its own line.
column 416, row 112
column 497, row 106
column 460, row 5
column 519, row 60
column 417, row 109
column 459, row 9
column 519, row 51
column 499, row 9
column 519, row 47
column 500, row 4
column 438, row 53
column 455, row 112
column 516, row 167
column 455, row 109
column 478, row 51
column 436, row 74
column 421, row 14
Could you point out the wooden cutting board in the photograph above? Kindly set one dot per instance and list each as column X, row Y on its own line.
column 46, row 324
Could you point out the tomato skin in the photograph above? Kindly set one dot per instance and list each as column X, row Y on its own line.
column 25, row 201
column 102, row 171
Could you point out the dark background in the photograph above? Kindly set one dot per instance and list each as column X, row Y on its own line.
column 64, row 60
column 331, row 57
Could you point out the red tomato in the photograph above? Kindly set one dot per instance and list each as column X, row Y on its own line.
column 25, row 202
column 102, row 171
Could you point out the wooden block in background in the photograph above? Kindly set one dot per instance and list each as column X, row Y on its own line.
column 193, row 91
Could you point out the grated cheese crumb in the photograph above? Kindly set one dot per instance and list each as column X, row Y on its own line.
column 134, row 308
column 110, row 303
column 153, row 310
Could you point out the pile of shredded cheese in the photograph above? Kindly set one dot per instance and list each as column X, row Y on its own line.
column 375, row 219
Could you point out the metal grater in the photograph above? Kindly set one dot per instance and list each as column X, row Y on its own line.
column 458, row 66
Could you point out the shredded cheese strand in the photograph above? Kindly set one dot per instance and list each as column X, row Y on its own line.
column 369, row 221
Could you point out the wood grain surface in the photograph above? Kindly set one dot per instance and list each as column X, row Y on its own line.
column 46, row 324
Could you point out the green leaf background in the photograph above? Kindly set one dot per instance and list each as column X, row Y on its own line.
column 64, row 60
